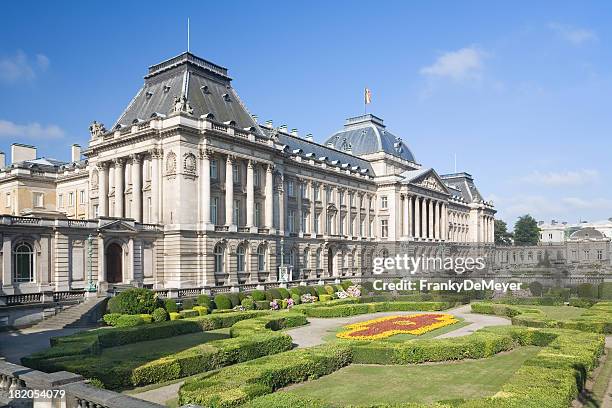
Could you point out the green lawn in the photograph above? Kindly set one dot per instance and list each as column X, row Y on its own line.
column 423, row 383
column 119, row 361
column 331, row 336
column 558, row 312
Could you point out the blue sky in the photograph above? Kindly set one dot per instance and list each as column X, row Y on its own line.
column 521, row 92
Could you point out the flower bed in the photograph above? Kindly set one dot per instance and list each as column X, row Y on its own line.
column 383, row 327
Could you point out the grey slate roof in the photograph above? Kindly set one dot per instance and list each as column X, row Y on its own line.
column 367, row 134
column 465, row 184
column 206, row 86
column 319, row 151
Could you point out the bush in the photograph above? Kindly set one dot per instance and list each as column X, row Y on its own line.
column 325, row 298
column 248, row 303
column 134, row 301
column 202, row 310
column 284, row 293
column 189, row 313
column 175, row 316
column 345, row 284
column 273, row 293
column 329, row 289
column 296, row 299
column 171, row 306
column 160, row 315
column 349, row 307
column 223, row 302
column 296, row 291
column 129, row 321
column 187, row 304
column 234, row 298
column 312, row 290
column 111, row 318
column 535, row 288
column 562, row 293
column 320, row 290
column 147, row 318
column 206, row 301
column 262, row 305
column 605, row 290
column 258, row 295
column 586, row 290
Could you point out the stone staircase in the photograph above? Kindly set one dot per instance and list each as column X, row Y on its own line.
column 84, row 314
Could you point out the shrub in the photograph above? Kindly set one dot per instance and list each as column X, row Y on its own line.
column 296, row 291
column 284, row 293
column 329, row 289
column 171, row 306
column 273, row 293
column 325, row 298
column 223, row 302
column 111, row 318
column 248, row 303
column 160, row 315
column 234, row 299
column 187, row 304
column 205, row 300
column 258, row 295
column 312, row 290
column 320, row 290
column 296, row 298
column 175, row 316
column 605, row 290
column 189, row 313
column 345, row 284
column 586, row 290
column 562, row 293
column 535, row 288
column 129, row 321
column 147, row 318
column 134, row 301
column 202, row 310
column 262, row 305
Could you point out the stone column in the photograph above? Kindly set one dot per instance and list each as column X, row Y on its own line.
column 444, row 222
column 423, row 217
column 155, row 186
column 410, row 212
column 103, row 189
column 417, row 217
column 430, row 232
column 269, row 223
column 250, row 197
column 229, row 190
column 137, row 187
column 406, row 209
column 205, row 186
column 339, row 213
column 436, row 220
column 119, row 186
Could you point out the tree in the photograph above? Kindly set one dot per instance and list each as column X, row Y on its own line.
column 526, row 231
column 502, row 236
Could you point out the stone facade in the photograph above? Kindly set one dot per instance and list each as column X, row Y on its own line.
column 188, row 190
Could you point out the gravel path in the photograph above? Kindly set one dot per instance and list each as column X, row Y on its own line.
column 313, row 333
column 18, row 343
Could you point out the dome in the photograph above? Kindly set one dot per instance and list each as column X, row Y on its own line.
column 587, row 233
column 366, row 134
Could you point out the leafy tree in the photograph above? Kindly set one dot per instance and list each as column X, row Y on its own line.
column 526, row 231
column 502, row 236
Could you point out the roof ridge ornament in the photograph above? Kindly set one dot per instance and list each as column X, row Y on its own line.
column 181, row 105
column 97, row 129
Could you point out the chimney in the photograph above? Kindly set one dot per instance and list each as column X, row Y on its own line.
column 22, row 152
column 309, row 137
column 2, row 160
column 294, row 132
column 75, row 153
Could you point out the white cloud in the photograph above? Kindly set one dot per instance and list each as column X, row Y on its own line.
column 574, row 35
column 19, row 67
column 31, row 130
column 464, row 63
column 562, row 178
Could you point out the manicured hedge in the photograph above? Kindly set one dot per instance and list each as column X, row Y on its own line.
column 206, row 301
column 605, row 290
column 134, row 301
column 223, row 302
column 362, row 308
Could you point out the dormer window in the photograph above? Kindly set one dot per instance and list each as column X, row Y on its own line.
column 166, row 88
column 226, row 98
column 205, row 89
column 148, row 95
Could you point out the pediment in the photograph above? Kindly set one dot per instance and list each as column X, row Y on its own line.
column 430, row 181
column 118, row 226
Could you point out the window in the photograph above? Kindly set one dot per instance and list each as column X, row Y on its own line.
column 23, row 261
column 341, row 194
column 361, row 227
column 351, row 200
column 303, row 190
column 574, row 255
column 95, row 210
column 342, row 218
column 306, row 259
column 60, row 201
column 371, row 228
column 315, row 190
column 38, row 199
column 318, row 259
column 8, row 200
column 240, row 264
column 384, row 228
column 290, row 189
column 384, row 202
column 213, row 169
column 257, row 214
column 304, row 222
column 236, row 212
column 261, row 258
column 587, row 254
column 70, row 199
column 599, row 254
column 236, row 172
column 316, row 224
column 214, row 204
column 256, row 177
column 218, row 253
column 291, row 220
column 351, row 227
column 81, row 196
column 149, row 209
column 328, row 227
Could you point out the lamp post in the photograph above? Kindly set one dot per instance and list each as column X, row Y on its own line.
column 91, row 286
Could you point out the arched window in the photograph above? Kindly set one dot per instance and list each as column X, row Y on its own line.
column 306, row 258
column 240, row 264
column 23, row 258
column 261, row 258
column 219, row 264
column 318, row 259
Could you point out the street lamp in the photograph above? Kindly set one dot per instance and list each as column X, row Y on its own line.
column 91, row 286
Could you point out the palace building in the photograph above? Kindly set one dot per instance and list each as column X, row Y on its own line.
column 188, row 190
